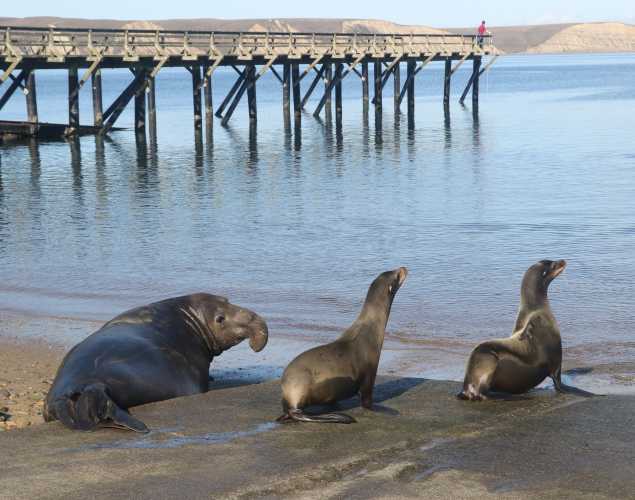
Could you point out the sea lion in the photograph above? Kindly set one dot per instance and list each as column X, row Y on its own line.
column 534, row 351
column 151, row 353
column 341, row 369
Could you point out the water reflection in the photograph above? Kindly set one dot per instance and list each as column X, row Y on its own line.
column 295, row 222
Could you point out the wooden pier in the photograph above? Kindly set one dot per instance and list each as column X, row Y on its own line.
column 294, row 59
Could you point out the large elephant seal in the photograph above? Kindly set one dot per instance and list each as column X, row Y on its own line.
column 534, row 351
column 341, row 369
column 151, row 353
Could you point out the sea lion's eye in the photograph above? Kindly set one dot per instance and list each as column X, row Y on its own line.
column 390, row 289
column 544, row 273
column 220, row 319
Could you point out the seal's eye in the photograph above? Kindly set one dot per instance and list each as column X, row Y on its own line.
column 390, row 289
column 220, row 319
column 545, row 272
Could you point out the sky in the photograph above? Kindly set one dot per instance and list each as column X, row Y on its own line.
column 448, row 13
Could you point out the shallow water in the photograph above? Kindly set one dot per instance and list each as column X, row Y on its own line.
column 297, row 227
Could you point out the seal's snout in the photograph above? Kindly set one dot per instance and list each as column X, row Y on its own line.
column 557, row 267
column 402, row 274
column 260, row 334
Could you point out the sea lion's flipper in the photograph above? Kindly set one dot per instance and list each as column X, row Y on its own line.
column 567, row 389
column 325, row 418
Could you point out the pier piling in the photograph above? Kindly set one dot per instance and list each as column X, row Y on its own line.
column 73, row 101
column 31, row 98
column 378, row 89
column 251, row 95
column 446, row 82
column 208, row 102
column 196, row 96
column 338, row 94
column 297, row 100
column 365, row 97
column 140, row 107
column 98, row 110
column 286, row 95
column 410, row 90
column 396, row 86
column 152, row 109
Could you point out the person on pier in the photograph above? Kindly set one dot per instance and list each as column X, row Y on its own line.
column 482, row 31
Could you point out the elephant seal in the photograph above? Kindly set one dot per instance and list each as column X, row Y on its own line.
column 534, row 351
column 151, row 353
column 336, row 371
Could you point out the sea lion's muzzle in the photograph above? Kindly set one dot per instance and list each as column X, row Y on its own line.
column 556, row 269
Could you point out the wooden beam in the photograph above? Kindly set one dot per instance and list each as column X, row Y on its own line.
column 238, row 96
column 488, row 65
column 237, row 84
column 98, row 111
column 14, row 85
column 316, row 80
column 413, row 75
column 458, row 65
column 116, row 108
column 126, row 95
column 327, row 93
column 9, row 70
column 311, row 66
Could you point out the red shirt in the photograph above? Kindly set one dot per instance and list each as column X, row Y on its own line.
column 482, row 29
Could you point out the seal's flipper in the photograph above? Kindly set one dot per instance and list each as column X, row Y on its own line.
column 325, row 418
column 121, row 419
column 90, row 407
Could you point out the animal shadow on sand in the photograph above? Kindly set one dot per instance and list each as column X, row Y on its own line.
column 383, row 391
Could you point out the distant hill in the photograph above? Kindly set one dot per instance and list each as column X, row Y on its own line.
column 548, row 38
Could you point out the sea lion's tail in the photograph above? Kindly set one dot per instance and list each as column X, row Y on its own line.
column 325, row 418
column 90, row 408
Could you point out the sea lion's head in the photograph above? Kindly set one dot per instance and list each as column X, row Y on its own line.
column 230, row 324
column 538, row 278
column 386, row 285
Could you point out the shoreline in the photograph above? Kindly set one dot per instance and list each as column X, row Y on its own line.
column 30, row 356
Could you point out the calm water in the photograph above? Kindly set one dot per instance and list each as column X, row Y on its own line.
column 297, row 227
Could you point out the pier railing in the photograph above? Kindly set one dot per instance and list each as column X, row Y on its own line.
column 56, row 44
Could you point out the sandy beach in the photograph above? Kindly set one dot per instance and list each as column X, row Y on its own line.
column 26, row 373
